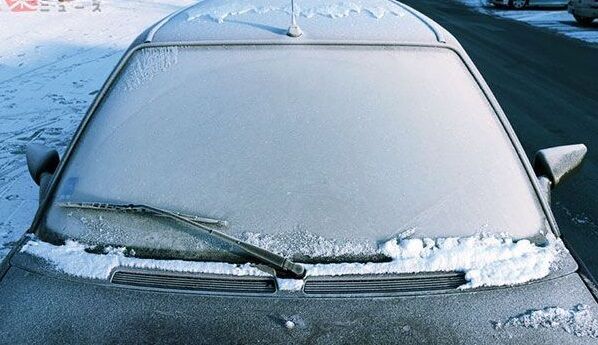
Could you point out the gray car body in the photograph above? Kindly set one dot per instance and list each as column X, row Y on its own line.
column 40, row 305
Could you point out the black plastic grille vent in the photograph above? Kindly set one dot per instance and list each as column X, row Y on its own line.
column 401, row 283
column 192, row 282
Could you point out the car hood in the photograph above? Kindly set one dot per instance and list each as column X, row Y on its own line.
column 46, row 308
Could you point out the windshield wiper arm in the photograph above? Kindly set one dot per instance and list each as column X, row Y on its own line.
column 272, row 259
column 141, row 209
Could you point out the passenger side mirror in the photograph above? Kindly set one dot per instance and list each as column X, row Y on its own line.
column 552, row 164
column 42, row 163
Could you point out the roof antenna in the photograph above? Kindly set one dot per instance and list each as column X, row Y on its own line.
column 294, row 29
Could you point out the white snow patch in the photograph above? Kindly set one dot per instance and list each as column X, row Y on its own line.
column 486, row 261
column 52, row 65
column 579, row 320
column 289, row 284
column 73, row 259
column 218, row 10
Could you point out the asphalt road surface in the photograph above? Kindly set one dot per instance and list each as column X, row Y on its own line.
column 548, row 86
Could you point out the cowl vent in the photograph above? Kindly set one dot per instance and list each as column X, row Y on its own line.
column 195, row 282
column 374, row 284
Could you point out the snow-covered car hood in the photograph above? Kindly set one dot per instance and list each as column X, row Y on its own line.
column 42, row 304
column 39, row 308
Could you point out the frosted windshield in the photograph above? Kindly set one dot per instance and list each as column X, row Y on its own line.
column 302, row 149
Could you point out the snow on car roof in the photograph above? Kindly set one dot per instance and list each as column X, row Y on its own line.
column 320, row 20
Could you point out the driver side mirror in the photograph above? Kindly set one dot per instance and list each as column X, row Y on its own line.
column 552, row 164
column 42, row 163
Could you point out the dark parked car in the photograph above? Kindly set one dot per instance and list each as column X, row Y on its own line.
column 584, row 11
column 334, row 173
column 520, row 4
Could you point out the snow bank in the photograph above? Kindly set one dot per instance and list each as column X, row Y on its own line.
column 578, row 321
column 486, row 261
column 218, row 10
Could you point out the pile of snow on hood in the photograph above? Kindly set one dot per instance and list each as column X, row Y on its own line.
column 73, row 259
column 485, row 260
column 578, row 321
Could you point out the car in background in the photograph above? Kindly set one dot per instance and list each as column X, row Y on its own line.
column 520, row 4
column 232, row 179
column 584, row 11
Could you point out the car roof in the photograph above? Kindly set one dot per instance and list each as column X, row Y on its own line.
column 321, row 21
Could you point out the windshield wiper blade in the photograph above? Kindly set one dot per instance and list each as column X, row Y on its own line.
column 274, row 260
column 140, row 209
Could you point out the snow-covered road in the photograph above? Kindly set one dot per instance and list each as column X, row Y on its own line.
column 558, row 20
column 51, row 66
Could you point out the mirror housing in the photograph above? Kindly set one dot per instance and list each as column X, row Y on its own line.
column 556, row 162
column 42, row 163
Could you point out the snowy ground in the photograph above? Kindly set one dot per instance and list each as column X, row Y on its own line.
column 558, row 20
column 51, row 65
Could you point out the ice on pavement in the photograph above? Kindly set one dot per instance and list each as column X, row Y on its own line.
column 578, row 320
column 486, row 260
column 219, row 11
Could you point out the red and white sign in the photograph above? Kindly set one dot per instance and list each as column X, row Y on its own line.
column 22, row 5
